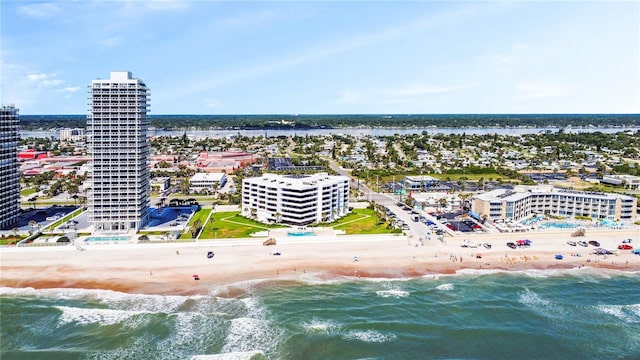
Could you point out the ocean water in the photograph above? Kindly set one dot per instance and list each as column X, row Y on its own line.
column 569, row 314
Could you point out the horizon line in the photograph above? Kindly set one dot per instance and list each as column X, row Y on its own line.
column 354, row 114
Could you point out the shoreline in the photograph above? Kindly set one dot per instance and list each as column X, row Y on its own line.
column 168, row 269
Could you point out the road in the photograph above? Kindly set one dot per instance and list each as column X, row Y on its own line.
column 370, row 195
column 417, row 230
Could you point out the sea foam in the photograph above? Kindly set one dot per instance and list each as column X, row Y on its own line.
column 240, row 355
column 541, row 306
column 626, row 313
column 316, row 325
column 369, row 336
column 392, row 293
column 85, row 316
column 445, row 287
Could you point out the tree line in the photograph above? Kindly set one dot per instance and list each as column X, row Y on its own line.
column 283, row 122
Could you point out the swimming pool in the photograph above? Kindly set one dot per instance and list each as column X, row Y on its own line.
column 301, row 233
column 559, row 225
column 106, row 238
column 167, row 215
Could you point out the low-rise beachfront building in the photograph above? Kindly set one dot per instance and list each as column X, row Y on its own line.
column 419, row 183
column 207, row 181
column 525, row 201
column 160, row 184
column 629, row 181
column 295, row 199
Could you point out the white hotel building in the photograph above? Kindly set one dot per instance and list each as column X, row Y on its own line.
column 117, row 131
column 9, row 172
column 296, row 200
column 524, row 201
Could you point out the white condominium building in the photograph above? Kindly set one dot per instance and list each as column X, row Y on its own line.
column 295, row 199
column 72, row 135
column 117, row 131
column 207, row 181
column 524, row 201
column 9, row 174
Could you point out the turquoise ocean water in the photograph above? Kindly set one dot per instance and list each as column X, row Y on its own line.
column 569, row 314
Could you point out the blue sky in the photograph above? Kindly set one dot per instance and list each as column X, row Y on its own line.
column 327, row 57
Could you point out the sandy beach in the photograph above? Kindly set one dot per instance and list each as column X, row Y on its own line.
column 169, row 268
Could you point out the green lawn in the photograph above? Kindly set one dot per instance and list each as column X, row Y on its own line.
column 200, row 215
column 10, row 240
column 442, row 177
column 232, row 225
column 473, row 177
column 362, row 221
column 28, row 191
column 65, row 219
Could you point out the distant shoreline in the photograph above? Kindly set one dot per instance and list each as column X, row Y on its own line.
column 377, row 121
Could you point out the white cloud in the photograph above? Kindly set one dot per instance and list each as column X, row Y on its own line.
column 71, row 89
column 42, row 80
column 32, row 91
column 40, row 10
column 348, row 44
column 36, row 77
column 541, row 89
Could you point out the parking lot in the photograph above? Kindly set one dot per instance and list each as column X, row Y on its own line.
column 43, row 216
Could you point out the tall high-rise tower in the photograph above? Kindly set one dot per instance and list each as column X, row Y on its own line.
column 117, row 127
column 9, row 176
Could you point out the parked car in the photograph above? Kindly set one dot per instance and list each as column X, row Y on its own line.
column 625, row 247
column 594, row 243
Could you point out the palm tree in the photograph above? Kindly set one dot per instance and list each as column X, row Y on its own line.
column 442, row 203
column 15, row 234
column 33, row 223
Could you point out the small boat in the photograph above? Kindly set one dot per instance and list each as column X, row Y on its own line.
column 487, row 245
column 594, row 243
column 582, row 243
column 559, row 257
column 572, row 243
